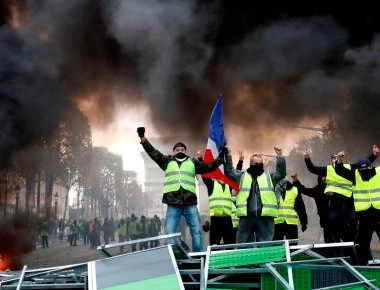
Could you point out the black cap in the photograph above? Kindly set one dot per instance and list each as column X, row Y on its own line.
column 179, row 144
column 364, row 162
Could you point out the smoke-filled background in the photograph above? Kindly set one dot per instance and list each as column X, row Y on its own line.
column 276, row 65
column 163, row 64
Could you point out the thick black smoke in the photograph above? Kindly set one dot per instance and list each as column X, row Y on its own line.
column 275, row 66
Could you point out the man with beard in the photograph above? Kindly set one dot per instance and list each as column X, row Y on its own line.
column 366, row 193
column 180, row 186
column 256, row 203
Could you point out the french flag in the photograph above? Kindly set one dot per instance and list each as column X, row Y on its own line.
column 216, row 139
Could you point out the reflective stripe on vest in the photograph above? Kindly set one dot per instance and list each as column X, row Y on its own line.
column 267, row 195
column 367, row 193
column 235, row 219
column 220, row 201
column 180, row 176
column 336, row 183
column 286, row 212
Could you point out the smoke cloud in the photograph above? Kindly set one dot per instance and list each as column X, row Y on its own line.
column 275, row 67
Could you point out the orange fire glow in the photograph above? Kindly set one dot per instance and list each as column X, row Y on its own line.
column 3, row 263
column 87, row 104
column 17, row 18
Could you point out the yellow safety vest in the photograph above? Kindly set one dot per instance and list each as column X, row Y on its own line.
column 286, row 212
column 336, row 183
column 123, row 229
column 268, row 197
column 180, row 176
column 133, row 227
column 220, row 201
column 44, row 233
column 367, row 193
column 235, row 219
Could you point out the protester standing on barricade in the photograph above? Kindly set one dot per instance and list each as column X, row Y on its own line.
column 256, row 203
column 180, row 186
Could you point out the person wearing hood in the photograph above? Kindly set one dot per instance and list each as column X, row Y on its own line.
column 321, row 202
column 180, row 186
column 256, row 202
column 291, row 209
column 366, row 193
column 341, row 214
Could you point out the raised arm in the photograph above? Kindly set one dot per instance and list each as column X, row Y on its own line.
column 346, row 173
column 230, row 172
column 202, row 167
column 161, row 159
column 207, row 181
column 280, row 172
column 372, row 157
column 318, row 170
column 239, row 165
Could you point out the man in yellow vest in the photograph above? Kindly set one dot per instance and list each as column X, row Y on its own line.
column 122, row 233
column 180, row 186
column 220, row 205
column 366, row 195
column 256, row 203
column 291, row 209
column 340, row 211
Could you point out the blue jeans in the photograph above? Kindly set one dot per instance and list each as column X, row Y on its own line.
column 191, row 215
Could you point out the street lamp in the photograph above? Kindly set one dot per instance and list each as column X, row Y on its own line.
column 82, row 200
column 56, row 204
column 17, row 191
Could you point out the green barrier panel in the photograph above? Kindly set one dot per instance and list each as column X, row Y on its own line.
column 247, row 257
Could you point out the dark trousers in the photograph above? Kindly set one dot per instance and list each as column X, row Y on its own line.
column 134, row 237
column 74, row 237
column 284, row 231
column 221, row 228
column 368, row 221
column 45, row 241
column 122, row 238
column 85, row 238
column 255, row 229
column 341, row 219
column 154, row 244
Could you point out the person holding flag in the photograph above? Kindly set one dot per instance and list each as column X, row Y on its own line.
column 221, row 209
column 180, row 186
column 217, row 141
column 256, row 203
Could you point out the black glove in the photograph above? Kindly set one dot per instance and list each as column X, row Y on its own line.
column 303, row 228
column 223, row 151
column 141, row 131
column 206, row 226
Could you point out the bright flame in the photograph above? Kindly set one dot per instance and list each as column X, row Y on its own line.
column 3, row 264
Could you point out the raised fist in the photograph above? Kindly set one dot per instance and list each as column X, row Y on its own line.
column 241, row 156
column 223, row 151
column 141, row 131
column 307, row 153
column 278, row 150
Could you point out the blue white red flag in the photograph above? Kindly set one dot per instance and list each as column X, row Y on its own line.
column 216, row 139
